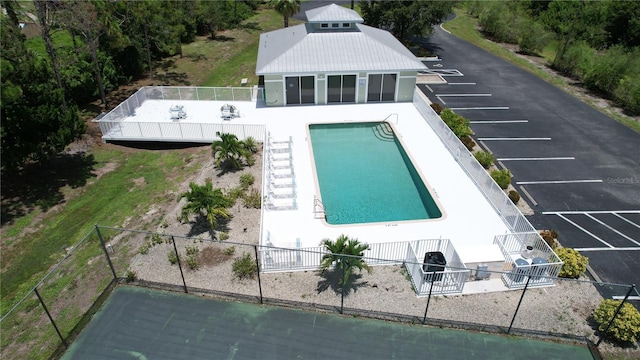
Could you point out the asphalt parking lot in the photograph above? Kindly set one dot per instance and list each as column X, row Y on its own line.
column 577, row 168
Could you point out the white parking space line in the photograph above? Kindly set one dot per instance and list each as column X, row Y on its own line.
column 482, row 108
column 612, row 229
column 585, row 230
column 583, row 212
column 536, row 159
column 514, row 139
column 440, row 99
column 526, row 193
column 558, row 182
column 430, row 89
column 463, row 95
column 627, row 220
column 621, row 297
column 498, row 121
column 461, row 83
column 609, row 249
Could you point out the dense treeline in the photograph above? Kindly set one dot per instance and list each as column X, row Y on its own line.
column 596, row 42
column 86, row 49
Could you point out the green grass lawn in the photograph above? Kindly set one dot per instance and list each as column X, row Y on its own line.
column 464, row 27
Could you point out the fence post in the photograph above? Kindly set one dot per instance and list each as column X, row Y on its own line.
column 433, row 277
column 604, row 333
column 106, row 253
column 184, row 283
column 519, row 302
column 255, row 250
column 64, row 342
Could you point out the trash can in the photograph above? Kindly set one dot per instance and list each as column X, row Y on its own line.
column 434, row 261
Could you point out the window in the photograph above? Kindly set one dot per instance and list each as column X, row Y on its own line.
column 382, row 87
column 324, row 25
column 300, row 90
column 335, row 25
column 344, row 25
column 341, row 88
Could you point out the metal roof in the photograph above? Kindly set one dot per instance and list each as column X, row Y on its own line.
column 300, row 49
column 333, row 13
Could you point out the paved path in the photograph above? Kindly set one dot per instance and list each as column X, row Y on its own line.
column 565, row 156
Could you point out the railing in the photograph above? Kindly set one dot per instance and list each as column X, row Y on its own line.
column 391, row 115
column 449, row 281
column 509, row 213
column 177, row 131
column 112, row 124
column 529, row 244
column 511, row 216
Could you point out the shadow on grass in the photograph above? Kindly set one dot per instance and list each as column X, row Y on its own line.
column 331, row 280
column 251, row 26
column 40, row 185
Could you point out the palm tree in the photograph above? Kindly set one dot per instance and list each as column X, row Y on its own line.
column 286, row 8
column 347, row 254
column 207, row 201
column 228, row 151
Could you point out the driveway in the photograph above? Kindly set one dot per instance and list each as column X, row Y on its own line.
column 577, row 168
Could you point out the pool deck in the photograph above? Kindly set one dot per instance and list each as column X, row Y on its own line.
column 469, row 220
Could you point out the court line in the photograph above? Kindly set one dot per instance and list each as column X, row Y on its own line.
column 514, row 139
column 585, row 230
column 498, row 121
column 534, row 159
column 557, row 182
column 462, row 95
column 482, row 108
column 612, row 229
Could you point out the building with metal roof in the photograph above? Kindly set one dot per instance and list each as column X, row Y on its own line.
column 335, row 58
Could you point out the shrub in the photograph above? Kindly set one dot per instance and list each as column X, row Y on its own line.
column 607, row 70
column 468, row 142
column 223, row 235
column 131, row 276
column 576, row 59
column 533, row 37
column 244, row 267
column 514, row 196
column 437, row 108
column 250, row 145
column 156, row 239
column 549, row 236
column 574, row 263
column 192, row 262
column 458, row 124
column 246, row 180
column 230, row 250
column 235, row 193
column 498, row 20
column 502, row 178
column 627, row 94
column 485, row 158
column 192, row 250
column 249, row 159
column 252, row 199
column 144, row 249
column 625, row 327
column 173, row 257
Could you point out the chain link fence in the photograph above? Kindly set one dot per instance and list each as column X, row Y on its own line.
column 50, row 316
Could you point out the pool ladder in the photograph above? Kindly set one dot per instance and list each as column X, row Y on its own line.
column 318, row 209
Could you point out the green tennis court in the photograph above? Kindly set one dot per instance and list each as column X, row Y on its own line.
column 138, row 323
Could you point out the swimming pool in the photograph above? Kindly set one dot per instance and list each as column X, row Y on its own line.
column 364, row 175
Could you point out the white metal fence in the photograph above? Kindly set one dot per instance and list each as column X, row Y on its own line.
column 537, row 260
column 411, row 253
column 113, row 127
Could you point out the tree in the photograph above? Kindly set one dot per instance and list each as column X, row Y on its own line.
column 286, row 8
column 35, row 123
column 405, row 18
column 44, row 11
column 206, row 201
column 228, row 152
column 346, row 254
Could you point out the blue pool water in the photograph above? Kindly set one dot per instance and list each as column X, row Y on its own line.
column 365, row 175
